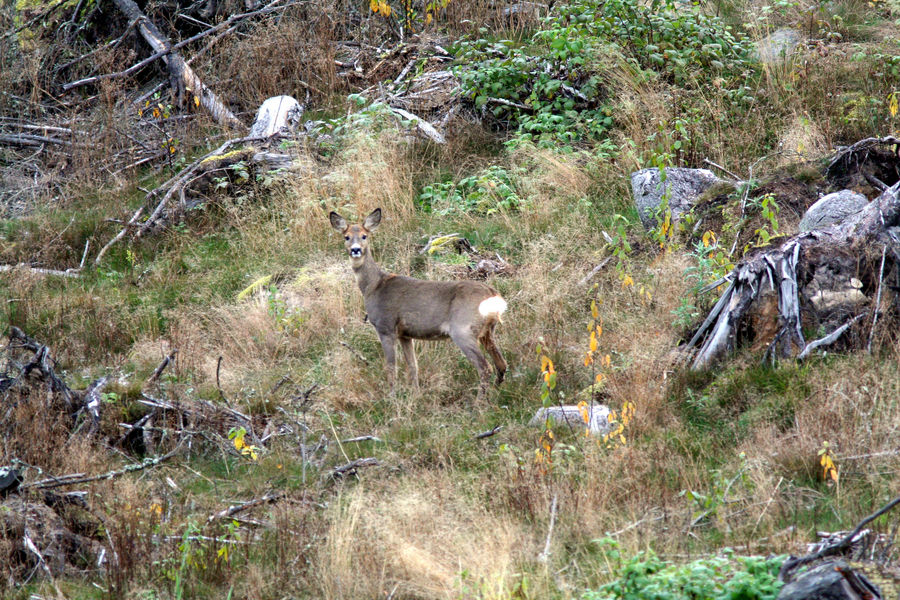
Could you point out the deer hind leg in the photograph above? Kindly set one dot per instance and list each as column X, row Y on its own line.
column 469, row 346
column 409, row 357
column 490, row 344
column 388, row 343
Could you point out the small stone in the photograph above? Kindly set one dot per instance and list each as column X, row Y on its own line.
column 570, row 415
column 778, row 46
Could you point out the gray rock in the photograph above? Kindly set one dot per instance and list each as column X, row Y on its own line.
column 567, row 415
column 825, row 583
column 831, row 209
column 683, row 185
column 778, row 46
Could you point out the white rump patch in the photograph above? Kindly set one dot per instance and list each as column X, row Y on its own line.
column 495, row 305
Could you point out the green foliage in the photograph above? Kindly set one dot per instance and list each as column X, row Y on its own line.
column 546, row 90
column 706, row 505
column 711, row 263
column 551, row 90
column 678, row 42
column 647, row 577
column 490, row 191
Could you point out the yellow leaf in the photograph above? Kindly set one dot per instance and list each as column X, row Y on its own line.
column 607, row 361
column 196, row 101
column 428, row 18
column 599, row 329
column 582, row 407
column 594, row 341
column 594, row 311
column 373, row 4
column 598, row 378
column 627, row 281
column 588, row 359
column 893, row 105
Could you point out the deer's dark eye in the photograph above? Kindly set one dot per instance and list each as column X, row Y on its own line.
column 347, row 237
column 364, row 237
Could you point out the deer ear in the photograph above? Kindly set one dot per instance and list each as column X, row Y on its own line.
column 373, row 220
column 337, row 221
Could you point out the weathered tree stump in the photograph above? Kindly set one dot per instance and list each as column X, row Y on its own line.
column 828, row 278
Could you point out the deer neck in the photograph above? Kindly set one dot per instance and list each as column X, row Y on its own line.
column 368, row 274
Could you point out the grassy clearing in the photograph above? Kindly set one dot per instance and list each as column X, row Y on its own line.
column 725, row 458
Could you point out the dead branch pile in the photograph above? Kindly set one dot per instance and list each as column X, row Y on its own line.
column 47, row 528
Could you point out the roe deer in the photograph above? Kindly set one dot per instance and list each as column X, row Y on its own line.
column 403, row 308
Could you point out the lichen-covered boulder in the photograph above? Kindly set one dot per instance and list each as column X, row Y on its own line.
column 831, row 209
column 684, row 187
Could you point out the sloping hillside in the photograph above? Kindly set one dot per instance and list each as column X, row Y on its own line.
column 194, row 403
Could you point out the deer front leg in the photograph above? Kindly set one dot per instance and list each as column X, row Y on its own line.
column 388, row 343
column 409, row 357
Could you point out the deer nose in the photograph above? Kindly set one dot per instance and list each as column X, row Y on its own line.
column 355, row 250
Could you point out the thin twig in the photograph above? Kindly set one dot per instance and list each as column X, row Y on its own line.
column 162, row 366
column 487, row 434
column 351, row 467
column 362, row 438
column 595, row 270
column 721, row 168
column 545, row 553
column 828, row 339
column 74, row 479
column 236, row 508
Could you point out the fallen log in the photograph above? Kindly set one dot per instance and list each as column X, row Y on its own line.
column 820, row 278
column 182, row 77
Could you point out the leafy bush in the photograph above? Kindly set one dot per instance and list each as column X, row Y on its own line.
column 551, row 89
column 488, row 192
column 647, row 577
column 676, row 41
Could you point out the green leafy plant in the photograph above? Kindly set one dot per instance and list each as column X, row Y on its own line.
column 727, row 577
column 492, row 190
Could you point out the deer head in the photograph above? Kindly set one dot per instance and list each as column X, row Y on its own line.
column 356, row 237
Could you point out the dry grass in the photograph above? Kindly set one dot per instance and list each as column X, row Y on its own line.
column 421, row 538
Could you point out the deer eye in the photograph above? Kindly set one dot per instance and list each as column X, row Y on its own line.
column 364, row 237
column 347, row 237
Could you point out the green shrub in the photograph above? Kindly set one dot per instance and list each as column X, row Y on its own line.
column 551, row 90
column 490, row 191
column 647, row 577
